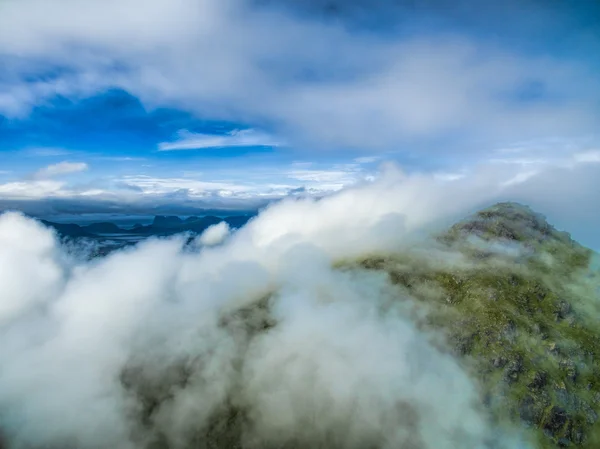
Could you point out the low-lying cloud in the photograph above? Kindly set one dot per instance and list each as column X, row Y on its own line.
column 259, row 335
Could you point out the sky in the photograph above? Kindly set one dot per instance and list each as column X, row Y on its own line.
column 148, row 106
column 368, row 122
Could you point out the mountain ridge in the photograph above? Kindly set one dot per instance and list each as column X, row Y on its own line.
column 518, row 314
column 160, row 226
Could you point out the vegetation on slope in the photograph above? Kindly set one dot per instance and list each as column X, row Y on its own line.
column 520, row 310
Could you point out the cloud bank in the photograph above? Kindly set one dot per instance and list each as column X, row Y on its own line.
column 564, row 188
column 314, row 78
column 258, row 335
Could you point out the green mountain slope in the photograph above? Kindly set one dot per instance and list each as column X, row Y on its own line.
column 520, row 309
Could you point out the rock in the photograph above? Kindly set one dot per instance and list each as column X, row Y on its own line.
column 556, row 420
column 492, row 294
column 512, row 370
column 463, row 344
column 577, row 436
column 553, row 348
column 509, row 332
column 590, row 415
column 564, row 442
column 499, row 362
column 529, row 412
column 569, row 368
column 539, row 380
column 563, row 309
column 565, row 398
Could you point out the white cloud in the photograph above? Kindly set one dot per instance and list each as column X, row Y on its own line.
column 366, row 159
column 592, row 156
column 336, row 346
column 45, row 152
column 155, row 185
column 449, row 176
column 367, row 93
column 237, row 138
column 561, row 184
column 342, row 176
column 520, row 178
column 521, row 161
column 121, row 158
column 302, row 164
column 215, row 234
column 61, row 169
column 42, row 189
column 337, row 357
column 330, row 179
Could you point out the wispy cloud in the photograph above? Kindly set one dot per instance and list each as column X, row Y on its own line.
column 588, row 156
column 121, row 158
column 60, row 169
column 238, row 138
column 520, row 178
column 322, row 175
column 449, row 176
column 27, row 190
column 45, row 152
column 570, row 157
column 334, row 178
column 194, row 187
column 520, row 161
column 367, row 159
column 311, row 80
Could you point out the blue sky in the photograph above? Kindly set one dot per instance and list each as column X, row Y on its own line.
column 135, row 106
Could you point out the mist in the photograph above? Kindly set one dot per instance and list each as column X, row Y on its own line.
column 252, row 339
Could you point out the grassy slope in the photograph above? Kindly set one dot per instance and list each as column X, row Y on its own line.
column 524, row 322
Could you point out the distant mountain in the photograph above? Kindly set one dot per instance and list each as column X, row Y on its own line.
column 163, row 222
column 103, row 228
column 174, row 225
column 237, row 221
column 68, row 229
column 160, row 226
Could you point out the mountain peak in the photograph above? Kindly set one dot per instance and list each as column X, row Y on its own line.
column 167, row 221
column 521, row 314
column 507, row 221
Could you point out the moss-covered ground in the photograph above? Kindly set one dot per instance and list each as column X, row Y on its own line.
column 521, row 312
